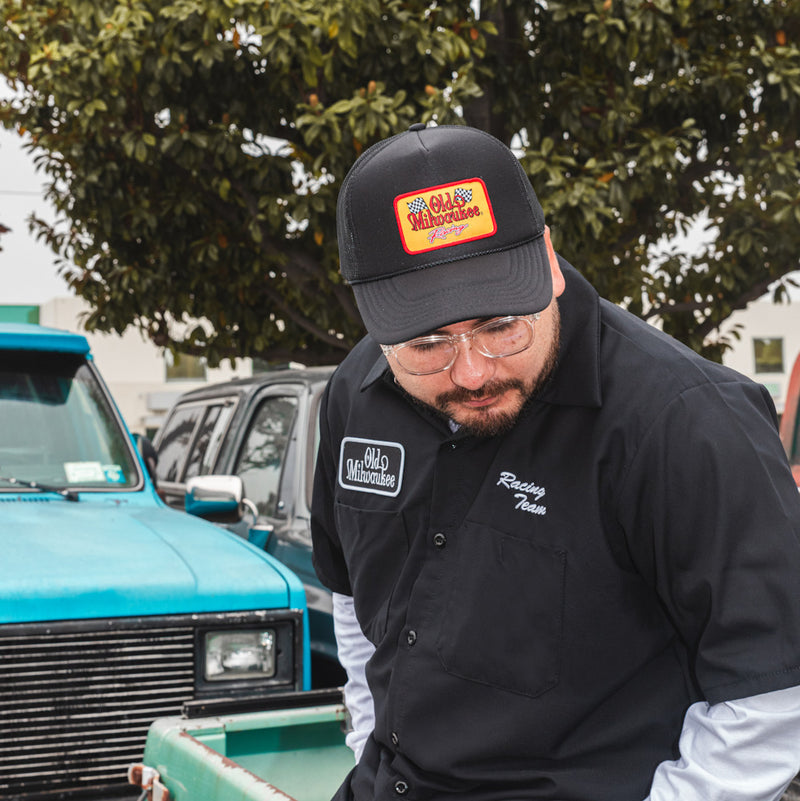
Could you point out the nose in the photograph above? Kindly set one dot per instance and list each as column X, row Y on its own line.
column 471, row 369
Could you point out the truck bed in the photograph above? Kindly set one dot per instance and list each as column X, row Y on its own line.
column 265, row 755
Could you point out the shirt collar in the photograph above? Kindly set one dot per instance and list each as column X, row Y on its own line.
column 576, row 380
column 377, row 370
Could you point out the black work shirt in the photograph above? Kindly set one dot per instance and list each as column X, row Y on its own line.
column 546, row 604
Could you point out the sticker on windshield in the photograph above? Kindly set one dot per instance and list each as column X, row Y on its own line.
column 84, row 472
column 93, row 473
column 371, row 465
column 113, row 474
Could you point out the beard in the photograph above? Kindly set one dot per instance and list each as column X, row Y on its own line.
column 490, row 422
column 485, row 422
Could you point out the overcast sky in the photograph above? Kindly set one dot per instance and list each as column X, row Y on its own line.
column 27, row 267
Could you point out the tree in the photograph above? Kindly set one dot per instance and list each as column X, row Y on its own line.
column 195, row 147
column 642, row 118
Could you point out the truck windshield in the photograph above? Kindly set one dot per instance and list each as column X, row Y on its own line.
column 57, row 428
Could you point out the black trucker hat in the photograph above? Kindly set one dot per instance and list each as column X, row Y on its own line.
column 438, row 225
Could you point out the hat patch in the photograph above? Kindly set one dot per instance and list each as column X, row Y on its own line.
column 444, row 215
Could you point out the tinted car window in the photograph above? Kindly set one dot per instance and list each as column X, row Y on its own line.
column 207, row 441
column 262, row 458
column 174, row 442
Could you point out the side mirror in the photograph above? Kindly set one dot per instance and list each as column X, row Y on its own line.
column 216, row 498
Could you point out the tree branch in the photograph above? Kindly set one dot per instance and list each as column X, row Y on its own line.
column 302, row 321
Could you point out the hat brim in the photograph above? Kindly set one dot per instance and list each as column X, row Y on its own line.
column 401, row 307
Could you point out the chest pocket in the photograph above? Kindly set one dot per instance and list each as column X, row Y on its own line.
column 375, row 545
column 503, row 611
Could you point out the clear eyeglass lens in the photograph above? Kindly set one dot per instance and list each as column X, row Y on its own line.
column 503, row 337
column 496, row 338
column 429, row 355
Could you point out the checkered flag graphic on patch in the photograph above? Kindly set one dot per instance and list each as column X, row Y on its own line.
column 464, row 194
column 417, row 205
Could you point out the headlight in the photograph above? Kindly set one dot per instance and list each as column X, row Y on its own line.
column 240, row 654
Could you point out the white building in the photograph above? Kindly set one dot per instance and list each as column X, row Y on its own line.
column 768, row 344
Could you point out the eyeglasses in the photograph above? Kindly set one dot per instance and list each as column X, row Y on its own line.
column 503, row 336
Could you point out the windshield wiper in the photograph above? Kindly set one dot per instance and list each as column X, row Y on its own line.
column 67, row 494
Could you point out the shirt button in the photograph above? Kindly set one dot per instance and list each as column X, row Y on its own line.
column 411, row 637
column 439, row 539
column 395, row 739
column 401, row 787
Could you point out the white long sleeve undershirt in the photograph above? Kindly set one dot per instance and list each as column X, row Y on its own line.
column 354, row 652
column 743, row 750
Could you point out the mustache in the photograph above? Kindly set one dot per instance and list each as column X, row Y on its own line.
column 462, row 394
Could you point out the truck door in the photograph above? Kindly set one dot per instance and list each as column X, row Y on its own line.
column 274, row 461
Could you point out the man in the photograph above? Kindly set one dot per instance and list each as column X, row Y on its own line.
column 564, row 549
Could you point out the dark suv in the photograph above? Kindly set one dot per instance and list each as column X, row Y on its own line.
column 264, row 430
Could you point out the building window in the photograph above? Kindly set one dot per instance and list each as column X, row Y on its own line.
column 181, row 366
column 768, row 354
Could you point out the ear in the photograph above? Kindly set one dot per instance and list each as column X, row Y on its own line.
column 555, row 271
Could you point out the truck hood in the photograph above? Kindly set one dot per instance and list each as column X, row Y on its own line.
column 102, row 558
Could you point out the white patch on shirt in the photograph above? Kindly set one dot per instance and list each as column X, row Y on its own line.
column 527, row 494
column 371, row 465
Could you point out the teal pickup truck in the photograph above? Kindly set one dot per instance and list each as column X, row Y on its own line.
column 115, row 610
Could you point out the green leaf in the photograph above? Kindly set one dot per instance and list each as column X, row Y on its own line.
column 140, row 151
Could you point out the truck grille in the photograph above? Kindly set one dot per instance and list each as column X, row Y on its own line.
column 76, row 699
